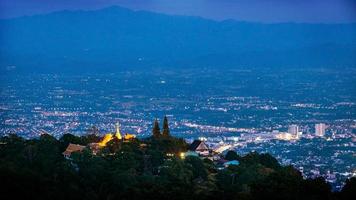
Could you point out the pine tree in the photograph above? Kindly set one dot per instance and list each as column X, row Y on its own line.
column 156, row 131
column 165, row 131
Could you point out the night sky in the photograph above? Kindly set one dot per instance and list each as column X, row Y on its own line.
column 269, row 11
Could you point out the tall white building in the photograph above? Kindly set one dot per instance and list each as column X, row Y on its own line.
column 293, row 129
column 320, row 129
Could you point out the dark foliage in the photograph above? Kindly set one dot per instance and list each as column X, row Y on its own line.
column 156, row 131
column 165, row 132
column 145, row 169
column 231, row 155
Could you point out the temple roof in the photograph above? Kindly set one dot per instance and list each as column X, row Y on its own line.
column 73, row 148
column 198, row 145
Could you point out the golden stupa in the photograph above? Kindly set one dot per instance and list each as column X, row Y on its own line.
column 109, row 136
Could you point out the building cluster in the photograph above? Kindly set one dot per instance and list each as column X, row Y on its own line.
column 198, row 148
column 313, row 155
column 294, row 132
column 95, row 147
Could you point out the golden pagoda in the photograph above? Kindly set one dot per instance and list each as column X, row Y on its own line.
column 109, row 136
column 118, row 134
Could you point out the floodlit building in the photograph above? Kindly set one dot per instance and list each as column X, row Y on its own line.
column 108, row 137
column 320, row 129
column 96, row 147
column 285, row 136
column 128, row 137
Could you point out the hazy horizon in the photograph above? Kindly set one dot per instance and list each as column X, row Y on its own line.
column 274, row 11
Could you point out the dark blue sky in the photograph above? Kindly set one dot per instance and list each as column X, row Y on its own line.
column 311, row 11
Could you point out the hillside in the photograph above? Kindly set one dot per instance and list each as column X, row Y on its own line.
column 151, row 168
column 116, row 38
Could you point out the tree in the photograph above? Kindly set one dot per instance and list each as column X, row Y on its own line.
column 177, row 172
column 156, row 131
column 113, row 145
column 264, row 159
column 37, row 169
column 168, row 145
column 10, row 146
column 197, row 167
column 90, row 138
column 69, row 138
column 349, row 189
column 316, row 189
column 269, row 161
column 165, row 131
column 231, row 155
column 285, row 183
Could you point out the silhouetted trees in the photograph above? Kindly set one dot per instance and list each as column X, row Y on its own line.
column 156, row 131
column 147, row 169
column 231, row 155
column 349, row 189
column 165, row 132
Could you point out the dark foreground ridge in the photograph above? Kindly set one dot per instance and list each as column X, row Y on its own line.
column 158, row 167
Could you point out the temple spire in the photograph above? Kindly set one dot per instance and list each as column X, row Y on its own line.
column 118, row 134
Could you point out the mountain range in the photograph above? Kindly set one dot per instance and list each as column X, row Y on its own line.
column 117, row 38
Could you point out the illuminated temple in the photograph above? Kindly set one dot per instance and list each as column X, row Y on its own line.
column 95, row 147
column 109, row 136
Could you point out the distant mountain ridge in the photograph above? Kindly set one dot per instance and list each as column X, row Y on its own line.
column 117, row 38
